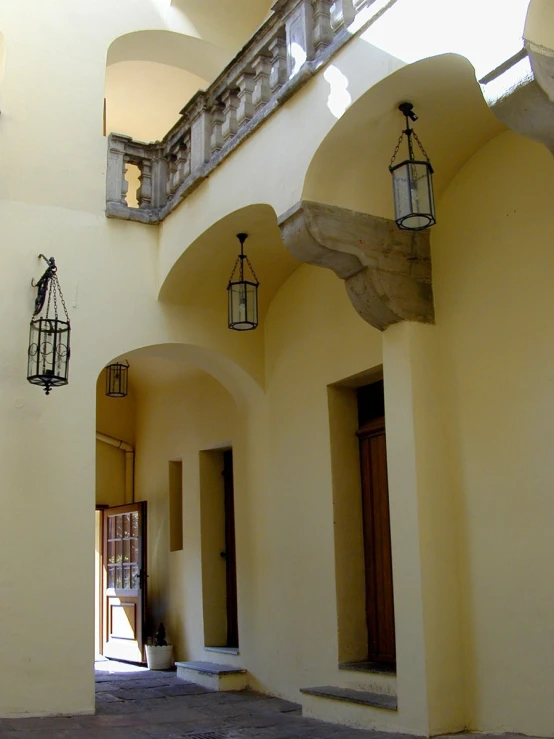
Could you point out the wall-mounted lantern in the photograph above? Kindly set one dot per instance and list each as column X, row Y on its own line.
column 49, row 350
column 117, row 380
column 412, row 181
column 243, row 293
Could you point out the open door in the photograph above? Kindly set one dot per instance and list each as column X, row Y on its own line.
column 124, row 537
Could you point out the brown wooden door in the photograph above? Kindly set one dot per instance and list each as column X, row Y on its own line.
column 230, row 555
column 377, row 543
column 124, row 551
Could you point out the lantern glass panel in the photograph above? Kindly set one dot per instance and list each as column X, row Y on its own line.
column 414, row 206
column 243, row 305
column 48, row 355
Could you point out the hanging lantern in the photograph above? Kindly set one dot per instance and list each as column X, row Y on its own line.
column 48, row 354
column 412, row 181
column 243, row 293
column 117, row 380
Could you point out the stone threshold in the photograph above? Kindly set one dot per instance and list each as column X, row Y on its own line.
column 222, row 650
column 361, row 697
column 211, row 668
column 377, row 668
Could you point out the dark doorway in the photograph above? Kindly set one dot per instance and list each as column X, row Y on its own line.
column 376, row 524
column 230, row 555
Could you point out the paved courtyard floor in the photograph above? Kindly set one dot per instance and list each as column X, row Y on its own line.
column 134, row 703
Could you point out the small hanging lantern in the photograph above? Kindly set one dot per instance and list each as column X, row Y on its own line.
column 412, row 181
column 117, row 380
column 243, row 293
column 48, row 354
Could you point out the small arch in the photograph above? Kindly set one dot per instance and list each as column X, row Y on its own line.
column 242, row 386
column 200, row 274
column 150, row 76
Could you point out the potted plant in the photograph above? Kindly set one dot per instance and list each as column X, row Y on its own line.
column 159, row 654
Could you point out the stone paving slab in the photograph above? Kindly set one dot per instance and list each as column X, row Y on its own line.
column 141, row 704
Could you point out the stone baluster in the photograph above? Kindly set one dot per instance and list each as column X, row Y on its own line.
column 299, row 27
column 182, row 164
column 245, row 109
column 231, row 103
column 116, row 184
column 171, row 174
column 124, row 182
column 159, row 166
column 322, row 33
column 360, row 4
column 262, row 89
column 342, row 14
column 200, row 137
column 144, row 192
column 279, row 71
column 218, row 119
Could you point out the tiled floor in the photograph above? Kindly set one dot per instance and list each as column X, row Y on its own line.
column 133, row 703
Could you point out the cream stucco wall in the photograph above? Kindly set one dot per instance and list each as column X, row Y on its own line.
column 492, row 261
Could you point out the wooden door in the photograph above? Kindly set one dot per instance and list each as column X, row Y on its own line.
column 124, row 534
column 230, row 555
column 377, row 543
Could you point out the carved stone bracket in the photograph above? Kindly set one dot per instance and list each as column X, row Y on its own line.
column 387, row 272
column 520, row 93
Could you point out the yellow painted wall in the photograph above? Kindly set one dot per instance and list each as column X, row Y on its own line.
column 115, row 417
column 178, row 421
column 492, row 264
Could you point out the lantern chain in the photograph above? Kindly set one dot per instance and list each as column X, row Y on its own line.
column 420, row 145
column 57, row 289
column 399, row 143
column 397, row 149
column 249, row 266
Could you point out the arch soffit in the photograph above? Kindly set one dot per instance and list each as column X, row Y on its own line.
column 199, row 276
column 243, row 387
column 170, row 48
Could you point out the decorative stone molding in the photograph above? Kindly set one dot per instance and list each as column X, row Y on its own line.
column 298, row 39
column 520, row 93
column 387, row 272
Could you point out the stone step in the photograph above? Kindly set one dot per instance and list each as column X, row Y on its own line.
column 360, row 697
column 213, row 675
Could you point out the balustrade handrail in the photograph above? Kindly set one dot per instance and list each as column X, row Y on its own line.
column 286, row 50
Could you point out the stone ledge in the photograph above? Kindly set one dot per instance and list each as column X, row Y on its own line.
column 376, row 668
column 361, row 697
column 211, row 668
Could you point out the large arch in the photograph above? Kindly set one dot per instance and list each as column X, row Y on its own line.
column 350, row 167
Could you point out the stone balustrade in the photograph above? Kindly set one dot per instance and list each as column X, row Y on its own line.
column 285, row 52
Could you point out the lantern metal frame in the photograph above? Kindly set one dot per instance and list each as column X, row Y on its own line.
column 412, row 166
column 117, row 379
column 49, row 337
column 242, row 293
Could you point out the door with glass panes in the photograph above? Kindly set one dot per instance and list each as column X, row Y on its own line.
column 124, row 529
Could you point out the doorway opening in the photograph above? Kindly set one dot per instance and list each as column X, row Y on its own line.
column 219, row 567
column 376, row 524
column 363, row 562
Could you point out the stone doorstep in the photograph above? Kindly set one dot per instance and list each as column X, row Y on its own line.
column 375, row 668
column 213, row 675
column 362, row 697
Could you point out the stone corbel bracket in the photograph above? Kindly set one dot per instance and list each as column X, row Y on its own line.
column 520, row 92
column 387, row 272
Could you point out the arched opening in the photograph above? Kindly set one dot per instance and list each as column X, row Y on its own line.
column 200, row 274
column 163, row 512
column 350, row 168
column 150, row 76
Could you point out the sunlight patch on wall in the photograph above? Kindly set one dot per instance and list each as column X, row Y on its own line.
column 339, row 99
